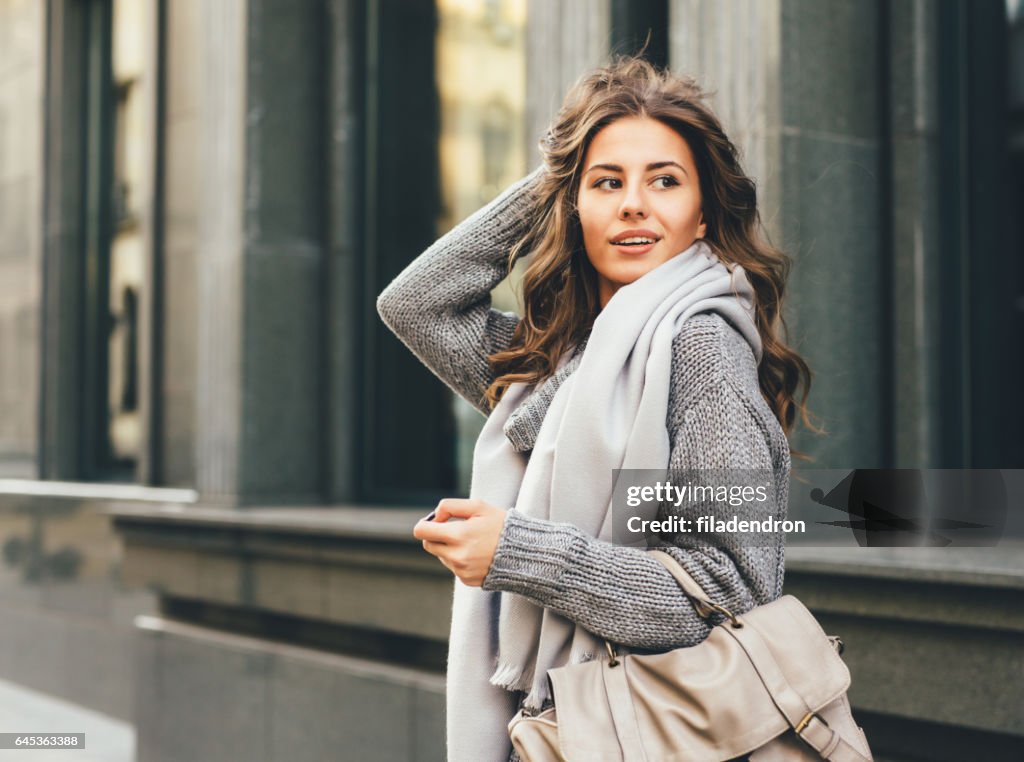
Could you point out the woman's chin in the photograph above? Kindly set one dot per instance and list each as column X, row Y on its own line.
column 629, row 272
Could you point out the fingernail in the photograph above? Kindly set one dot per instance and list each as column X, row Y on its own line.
column 430, row 516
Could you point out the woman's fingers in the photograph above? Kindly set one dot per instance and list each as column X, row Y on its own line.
column 435, row 532
column 435, row 549
column 466, row 548
column 440, row 551
column 456, row 507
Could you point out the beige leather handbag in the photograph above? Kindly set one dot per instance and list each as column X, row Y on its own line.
column 769, row 684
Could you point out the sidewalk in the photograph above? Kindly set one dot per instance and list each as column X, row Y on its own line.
column 23, row 710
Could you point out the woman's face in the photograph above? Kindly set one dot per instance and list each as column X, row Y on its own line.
column 639, row 200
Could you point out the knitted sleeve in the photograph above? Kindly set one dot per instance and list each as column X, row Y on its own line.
column 717, row 420
column 440, row 304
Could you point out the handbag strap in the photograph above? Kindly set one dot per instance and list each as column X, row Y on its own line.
column 704, row 605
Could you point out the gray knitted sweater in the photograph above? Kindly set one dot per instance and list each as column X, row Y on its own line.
column 440, row 307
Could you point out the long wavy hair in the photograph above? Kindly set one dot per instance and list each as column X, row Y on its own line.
column 560, row 286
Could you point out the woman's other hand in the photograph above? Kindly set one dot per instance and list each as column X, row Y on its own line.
column 465, row 547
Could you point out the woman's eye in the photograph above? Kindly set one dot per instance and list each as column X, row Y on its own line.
column 609, row 183
column 665, row 181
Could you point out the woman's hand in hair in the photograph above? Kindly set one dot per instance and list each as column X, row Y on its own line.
column 465, row 547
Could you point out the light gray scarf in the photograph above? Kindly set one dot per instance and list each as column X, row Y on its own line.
column 609, row 414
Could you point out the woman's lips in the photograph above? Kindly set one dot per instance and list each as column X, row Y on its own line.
column 634, row 250
column 635, row 242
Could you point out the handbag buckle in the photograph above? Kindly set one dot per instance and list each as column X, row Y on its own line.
column 736, row 623
column 613, row 660
column 807, row 721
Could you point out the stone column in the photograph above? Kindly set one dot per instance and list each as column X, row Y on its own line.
column 798, row 87
column 23, row 56
column 64, row 235
column 261, row 252
column 345, row 277
column 913, row 53
column 732, row 49
column 564, row 39
column 221, row 251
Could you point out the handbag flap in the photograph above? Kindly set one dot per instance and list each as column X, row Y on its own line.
column 801, row 649
column 704, row 702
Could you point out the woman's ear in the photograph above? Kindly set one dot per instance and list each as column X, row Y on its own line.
column 702, row 228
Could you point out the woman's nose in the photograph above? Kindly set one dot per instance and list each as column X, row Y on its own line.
column 633, row 205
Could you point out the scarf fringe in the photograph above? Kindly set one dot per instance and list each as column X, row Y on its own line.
column 534, row 702
column 512, row 677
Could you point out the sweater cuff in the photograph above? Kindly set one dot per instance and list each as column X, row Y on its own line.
column 532, row 555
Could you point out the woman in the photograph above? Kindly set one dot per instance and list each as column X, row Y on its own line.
column 649, row 341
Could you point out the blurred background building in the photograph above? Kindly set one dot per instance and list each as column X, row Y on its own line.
column 212, row 452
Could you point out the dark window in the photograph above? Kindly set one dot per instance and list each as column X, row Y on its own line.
column 446, row 112
column 102, row 172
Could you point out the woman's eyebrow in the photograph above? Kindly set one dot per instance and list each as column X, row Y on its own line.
column 650, row 167
column 662, row 164
column 606, row 167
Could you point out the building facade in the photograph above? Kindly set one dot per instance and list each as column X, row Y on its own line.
column 212, row 451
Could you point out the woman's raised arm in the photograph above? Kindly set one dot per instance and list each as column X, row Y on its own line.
column 621, row 593
column 440, row 304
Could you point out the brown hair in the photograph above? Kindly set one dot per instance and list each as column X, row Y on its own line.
column 560, row 293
